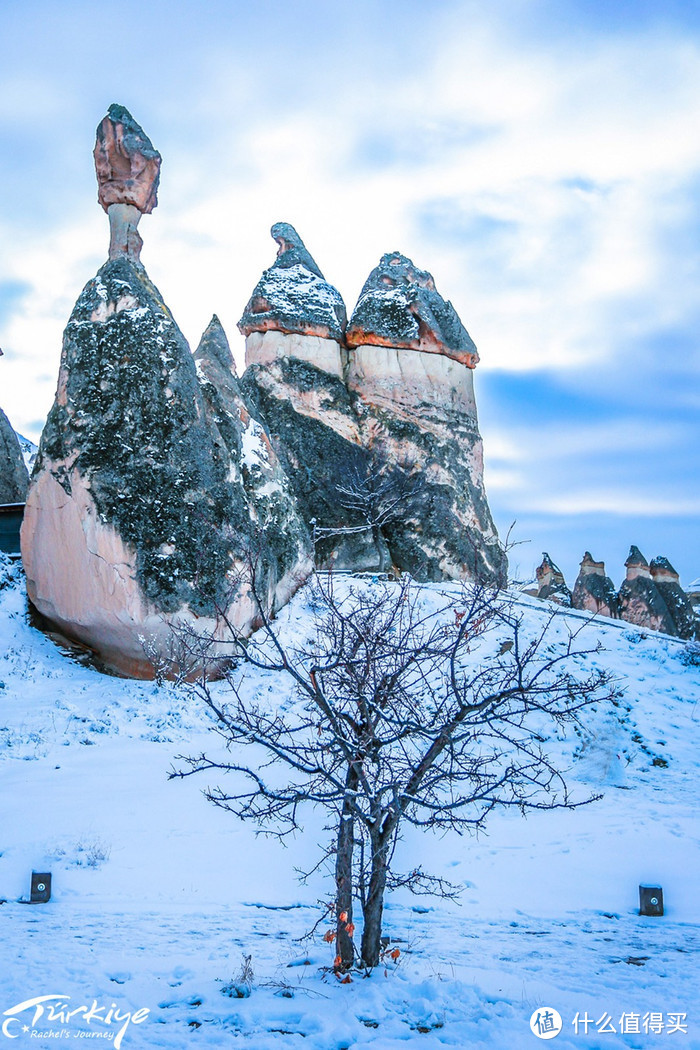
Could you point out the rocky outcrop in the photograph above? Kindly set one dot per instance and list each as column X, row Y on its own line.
column 593, row 590
column 295, row 381
column 551, row 583
column 283, row 547
column 128, row 173
column 639, row 598
column 138, row 520
column 13, row 473
column 380, row 440
column 410, row 368
column 676, row 600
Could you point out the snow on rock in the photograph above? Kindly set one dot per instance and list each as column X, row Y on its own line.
column 293, row 295
column 282, row 546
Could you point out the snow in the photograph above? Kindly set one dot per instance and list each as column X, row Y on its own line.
column 158, row 895
column 254, row 454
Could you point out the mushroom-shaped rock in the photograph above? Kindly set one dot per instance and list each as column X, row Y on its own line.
column 283, row 548
column 677, row 601
column 13, row 473
column 385, row 456
column 640, row 600
column 411, row 368
column 551, row 582
column 400, row 307
column 128, row 173
column 294, row 311
column 593, row 590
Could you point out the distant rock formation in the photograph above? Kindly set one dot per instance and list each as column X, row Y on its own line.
column 13, row 473
column 639, row 598
column 379, row 436
column 593, row 590
column 128, row 173
column 676, row 600
column 551, row 582
column 137, row 518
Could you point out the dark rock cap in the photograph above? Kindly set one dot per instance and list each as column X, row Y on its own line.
column 293, row 295
column 126, row 162
column 400, row 307
column 548, row 566
column 635, row 557
column 661, row 564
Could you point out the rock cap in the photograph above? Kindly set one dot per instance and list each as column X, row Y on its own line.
column 126, row 162
column 292, row 296
column 399, row 306
column 635, row 557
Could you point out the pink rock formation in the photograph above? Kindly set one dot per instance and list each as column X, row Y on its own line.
column 641, row 601
column 128, row 172
column 593, row 590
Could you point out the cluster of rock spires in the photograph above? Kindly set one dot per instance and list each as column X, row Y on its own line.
column 168, row 493
column 650, row 596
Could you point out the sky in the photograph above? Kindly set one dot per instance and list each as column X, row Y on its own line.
column 540, row 157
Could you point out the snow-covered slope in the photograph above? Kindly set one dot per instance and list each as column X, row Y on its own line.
column 157, row 895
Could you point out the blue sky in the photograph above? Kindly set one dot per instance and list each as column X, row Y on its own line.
column 541, row 159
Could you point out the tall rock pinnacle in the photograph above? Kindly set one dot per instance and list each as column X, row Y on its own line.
column 128, row 173
column 143, row 523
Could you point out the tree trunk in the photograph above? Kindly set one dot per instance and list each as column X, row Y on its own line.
column 343, row 873
column 374, row 905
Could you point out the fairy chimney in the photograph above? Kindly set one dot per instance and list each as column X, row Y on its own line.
column 639, row 598
column 677, row 601
column 551, row 582
column 593, row 590
column 139, row 526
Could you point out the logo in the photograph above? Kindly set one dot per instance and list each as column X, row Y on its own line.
column 545, row 1022
column 35, row 1018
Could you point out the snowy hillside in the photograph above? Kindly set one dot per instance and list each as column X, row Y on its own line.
column 158, row 896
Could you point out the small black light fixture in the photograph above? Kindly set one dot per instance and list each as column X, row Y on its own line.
column 41, row 887
column 651, row 900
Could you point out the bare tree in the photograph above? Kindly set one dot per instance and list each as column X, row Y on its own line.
column 405, row 713
column 373, row 495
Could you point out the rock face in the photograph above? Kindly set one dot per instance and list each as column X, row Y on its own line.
column 593, row 590
column 13, row 473
column 551, row 582
column 139, row 517
column 639, row 598
column 283, row 545
column 410, row 368
column 676, row 600
column 128, row 173
column 380, row 440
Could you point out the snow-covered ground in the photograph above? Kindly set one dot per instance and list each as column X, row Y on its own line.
column 158, row 896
